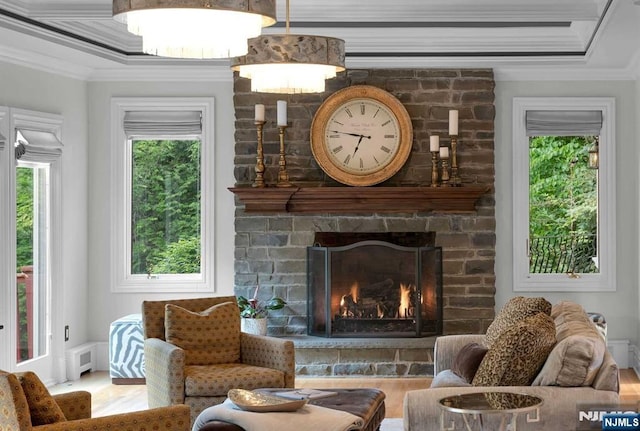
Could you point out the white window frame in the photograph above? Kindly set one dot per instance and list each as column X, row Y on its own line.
column 605, row 280
column 122, row 279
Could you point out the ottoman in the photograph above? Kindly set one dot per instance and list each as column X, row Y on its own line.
column 126, row 351
column 365, row 403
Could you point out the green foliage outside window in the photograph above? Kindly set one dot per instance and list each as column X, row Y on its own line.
column 24, row 217
column 563, row 204
column 24, row 250
column 165, row 207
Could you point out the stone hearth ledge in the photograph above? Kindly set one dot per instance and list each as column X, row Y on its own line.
column 363, row 357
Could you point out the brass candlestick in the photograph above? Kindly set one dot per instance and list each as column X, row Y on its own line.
column 455, row 179
column 283, row 176
column 445, row 172
column 259, row 181
column 434, row 169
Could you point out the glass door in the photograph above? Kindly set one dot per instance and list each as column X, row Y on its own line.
column 32, row 349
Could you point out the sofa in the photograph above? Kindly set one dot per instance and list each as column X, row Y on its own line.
column 562, row 349
column 25, row 404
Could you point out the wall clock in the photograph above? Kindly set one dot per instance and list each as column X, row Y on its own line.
column 361, row 135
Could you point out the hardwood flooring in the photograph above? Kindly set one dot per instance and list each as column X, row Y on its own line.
column 108, row 399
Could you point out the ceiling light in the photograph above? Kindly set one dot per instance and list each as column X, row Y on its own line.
column 290, row 63
column 195, row 28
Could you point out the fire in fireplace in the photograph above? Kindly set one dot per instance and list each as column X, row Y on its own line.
column 374, row 285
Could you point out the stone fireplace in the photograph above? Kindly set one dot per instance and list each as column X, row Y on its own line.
column 271, row 246
column 374, row 285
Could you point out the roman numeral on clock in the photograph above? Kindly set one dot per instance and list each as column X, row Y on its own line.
column 337, row 149
column 385, row 149
column 347, row 160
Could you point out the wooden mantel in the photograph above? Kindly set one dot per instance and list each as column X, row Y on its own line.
column 360, row 199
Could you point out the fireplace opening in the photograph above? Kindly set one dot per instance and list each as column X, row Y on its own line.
column 374, row 285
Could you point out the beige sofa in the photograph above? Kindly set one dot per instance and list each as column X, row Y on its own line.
column 561, row 404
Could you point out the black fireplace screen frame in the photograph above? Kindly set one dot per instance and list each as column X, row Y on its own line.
column 322, row 319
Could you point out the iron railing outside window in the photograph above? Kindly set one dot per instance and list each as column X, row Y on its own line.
column 563, row 254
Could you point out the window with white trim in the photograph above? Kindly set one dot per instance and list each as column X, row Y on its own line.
column 162, row 153
column 563, row 206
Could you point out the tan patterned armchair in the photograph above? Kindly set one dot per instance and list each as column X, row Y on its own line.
column 73, row 411
column 176, row 375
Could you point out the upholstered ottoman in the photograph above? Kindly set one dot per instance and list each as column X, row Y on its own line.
column 126, row 351
column 365, row 403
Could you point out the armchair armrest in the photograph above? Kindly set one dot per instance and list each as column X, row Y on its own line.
column 447, row 348
column 164, row 373
column 74, row 405
column 269, row 352
column 175, row 418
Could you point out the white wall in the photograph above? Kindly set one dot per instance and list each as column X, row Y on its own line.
column 106, row 306
column 636, row 117
column 26, row 88
column 620, row 307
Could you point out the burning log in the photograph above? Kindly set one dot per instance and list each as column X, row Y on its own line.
column 380, row 289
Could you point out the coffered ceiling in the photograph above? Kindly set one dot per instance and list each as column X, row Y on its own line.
column 588, row 37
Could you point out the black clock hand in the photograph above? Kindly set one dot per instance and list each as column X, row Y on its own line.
column 350, row 134
column 357, row 145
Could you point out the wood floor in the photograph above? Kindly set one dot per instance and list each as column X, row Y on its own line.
column 108, row 399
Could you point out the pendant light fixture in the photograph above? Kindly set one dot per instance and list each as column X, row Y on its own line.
column 195, row 28
column 290, row 63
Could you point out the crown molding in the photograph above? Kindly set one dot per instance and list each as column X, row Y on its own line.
column 210, row 73
column 533, row 73
column 44, row 63
column 447, row 40
column 108, row 32
column 448, row 10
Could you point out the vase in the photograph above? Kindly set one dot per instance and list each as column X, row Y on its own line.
column 253, row 326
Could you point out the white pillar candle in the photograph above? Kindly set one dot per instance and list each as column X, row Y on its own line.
column 259, row 112
column 434, row 143
column 453, row 122
column 282, row 113
column 444, row 152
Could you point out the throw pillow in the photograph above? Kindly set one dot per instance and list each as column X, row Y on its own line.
column 518, row 354
column 516, row 310
column 467, row 361
column 577, row 357
column 209, row 337
column 14, row 413
column 42, row 407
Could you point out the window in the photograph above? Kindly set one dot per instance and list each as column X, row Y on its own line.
column 163, row 191
column 564, row 222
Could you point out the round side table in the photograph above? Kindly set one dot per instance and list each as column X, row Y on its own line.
column 473, row 407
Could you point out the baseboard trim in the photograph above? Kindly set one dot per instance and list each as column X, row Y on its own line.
column 634, row 353
column 620, row 350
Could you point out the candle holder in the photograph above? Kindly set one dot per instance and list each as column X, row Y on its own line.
column 283, row 176
column 445, row 173
column 434, row 168
column 455, row 179
column 259, row 180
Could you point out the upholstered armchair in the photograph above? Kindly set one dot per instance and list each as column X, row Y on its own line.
column 25, row 404
column 200, row 353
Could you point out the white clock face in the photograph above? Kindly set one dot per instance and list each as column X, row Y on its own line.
column 362, row 136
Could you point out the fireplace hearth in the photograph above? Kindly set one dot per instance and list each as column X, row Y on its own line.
column 374, row 285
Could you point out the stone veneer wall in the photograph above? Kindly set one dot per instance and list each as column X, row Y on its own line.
column 270, row 249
